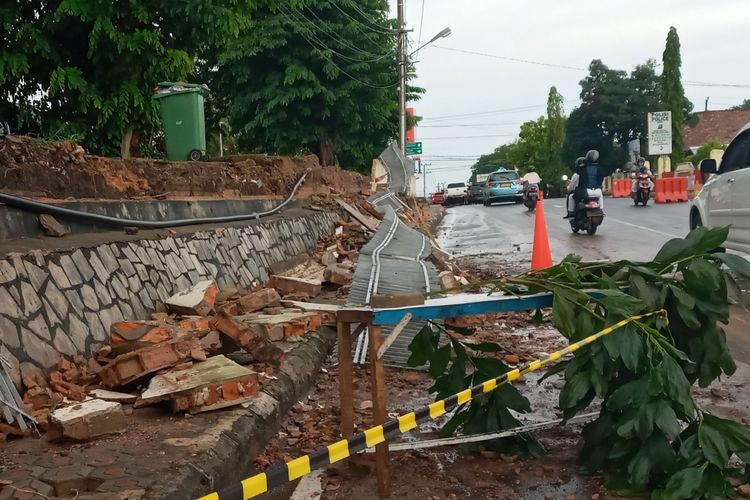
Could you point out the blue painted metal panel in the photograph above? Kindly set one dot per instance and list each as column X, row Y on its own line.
column 466, row 306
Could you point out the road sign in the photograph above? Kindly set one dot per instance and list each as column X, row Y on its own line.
column 660, row 133
column 482, row 178
column 413, row 148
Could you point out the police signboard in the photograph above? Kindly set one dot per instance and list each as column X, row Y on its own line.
column 660, row 133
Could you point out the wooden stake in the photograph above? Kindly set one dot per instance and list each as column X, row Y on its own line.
column 346, row 378
column 380, row 412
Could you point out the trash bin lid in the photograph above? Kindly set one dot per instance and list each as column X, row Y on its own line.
column 164, row 89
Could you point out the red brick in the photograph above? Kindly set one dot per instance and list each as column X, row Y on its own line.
column 338, row 274
column 286, row 285
column 197, row 301
column 261, row 299
column 256, row 345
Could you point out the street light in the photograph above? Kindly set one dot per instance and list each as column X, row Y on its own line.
column 402, row 59
column 443, row 33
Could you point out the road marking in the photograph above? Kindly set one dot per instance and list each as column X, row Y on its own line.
column 557, row 206
column 644, row 228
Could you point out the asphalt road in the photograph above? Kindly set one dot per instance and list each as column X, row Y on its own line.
column 628, row 232
column 505, row 233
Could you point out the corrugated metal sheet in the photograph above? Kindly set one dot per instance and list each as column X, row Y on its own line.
column 393, row 261
column 400, row 168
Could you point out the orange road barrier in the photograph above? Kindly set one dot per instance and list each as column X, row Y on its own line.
column 541, row 255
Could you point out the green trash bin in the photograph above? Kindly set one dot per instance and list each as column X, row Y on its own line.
column 182, row 115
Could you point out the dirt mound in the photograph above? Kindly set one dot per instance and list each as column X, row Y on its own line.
column 60, row 170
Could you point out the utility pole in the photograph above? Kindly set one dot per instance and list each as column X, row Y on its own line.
column 401, row 77
column 706, row 108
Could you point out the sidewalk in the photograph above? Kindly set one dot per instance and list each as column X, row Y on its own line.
column 163, row 456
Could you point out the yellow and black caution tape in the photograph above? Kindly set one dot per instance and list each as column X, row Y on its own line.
column 294, row 469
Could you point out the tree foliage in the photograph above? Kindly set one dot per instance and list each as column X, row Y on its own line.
column 705, row 151
column 673, row 94
column 314, row 75
column 650, row 435
column 88, row 67
column 490, row 162
column 744, row 105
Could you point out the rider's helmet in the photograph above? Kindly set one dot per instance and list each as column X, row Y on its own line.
column 592, row 157
column 531, row 168
column 580, row 161
column 641, row 161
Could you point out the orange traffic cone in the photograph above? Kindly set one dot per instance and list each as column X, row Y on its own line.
column 541, row 256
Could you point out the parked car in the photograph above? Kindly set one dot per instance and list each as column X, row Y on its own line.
column 724, row 199
column 476, row 193
column 438, row 198
column 455, row 193
column 503, row 185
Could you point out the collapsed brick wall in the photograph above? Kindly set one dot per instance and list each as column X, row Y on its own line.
column 63, row 303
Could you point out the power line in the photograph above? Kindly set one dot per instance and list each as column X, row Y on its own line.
column 321, row 46
column 512, row 59
column 708, row 84
column 384, row 29
column 485, row 113
column 467, row 137
column 421, row 21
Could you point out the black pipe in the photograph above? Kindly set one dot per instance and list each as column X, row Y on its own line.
column 67, row 213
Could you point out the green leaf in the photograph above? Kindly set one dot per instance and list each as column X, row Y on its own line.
column 574, row 390
column 564, row 312
column 618, row 302
column 707, row 240
column 647, row 292
column 682, row 296
column 713, row 444
column 639, row 468
column 422, row 346
column 666, row 419
column 538, row 318
column 631, row 349
column 684, row 484
column 736, row 263
column 439, row 360
column 673, row 250
column 632, row 394
column 701, row 274
column 489, row 367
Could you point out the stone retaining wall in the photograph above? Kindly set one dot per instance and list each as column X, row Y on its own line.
column 63, row 303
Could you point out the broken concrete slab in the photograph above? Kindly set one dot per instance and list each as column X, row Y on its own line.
column 327, row 311
column 86, row 421
column 447, row 280
column 52, row 227
column 286, row 285
column 118, row 397
column 131, row 366
column 213, row 384
column 199, row 300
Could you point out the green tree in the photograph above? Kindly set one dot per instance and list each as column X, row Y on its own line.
column 551, row 167
column 530, row 148
column 490, row 162
column 705, row 150
column 673, row 94
column 92, row 64
column 314, row 75
column 745, row 105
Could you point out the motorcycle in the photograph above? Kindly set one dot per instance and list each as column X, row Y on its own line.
column 531, row 196
column 642, row 191
column 588, row 216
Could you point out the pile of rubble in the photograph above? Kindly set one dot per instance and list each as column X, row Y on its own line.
column 208, row 348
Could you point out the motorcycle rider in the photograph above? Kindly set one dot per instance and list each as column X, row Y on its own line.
column 586, row 182
column 642, row 169
column 529, row 178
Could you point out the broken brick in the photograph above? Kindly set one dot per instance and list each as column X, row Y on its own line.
column 266, row 297
column 197, row 301
column 215, row 383
column 250, row 341
column 286, row 285
column 338, row 274
column 86, row 420
column 133, row 365
column 139, row 333
column 71, row 391
column 447, row 280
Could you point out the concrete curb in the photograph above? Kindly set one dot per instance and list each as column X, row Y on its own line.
column 245, row 432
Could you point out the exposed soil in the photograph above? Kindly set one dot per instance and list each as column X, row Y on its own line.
column 60, row 170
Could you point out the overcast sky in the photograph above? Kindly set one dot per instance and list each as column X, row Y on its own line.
column 715, row 48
